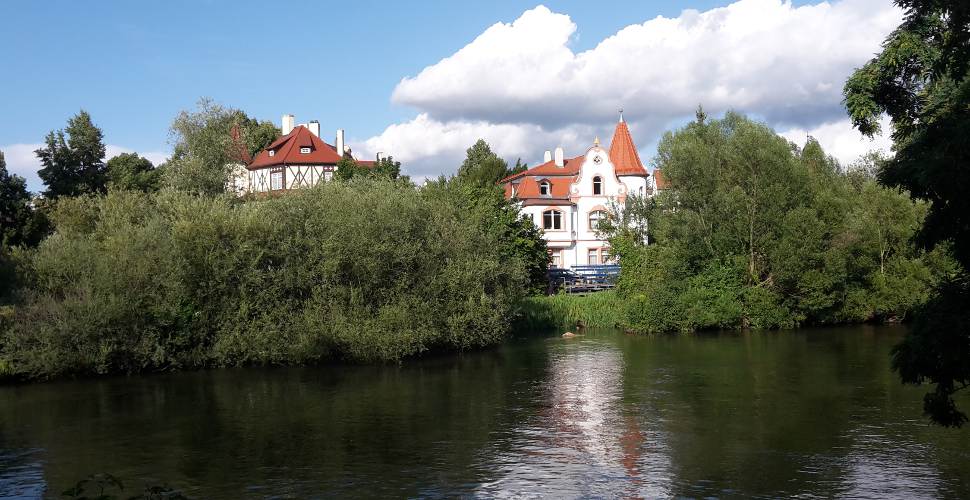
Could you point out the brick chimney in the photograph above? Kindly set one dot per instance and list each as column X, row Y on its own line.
column 314, row 127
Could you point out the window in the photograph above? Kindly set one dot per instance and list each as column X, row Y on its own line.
column 592, row 257
column 276, row 180
column 594, row 219
column 597, row 185
column 545, row 189
column 327, row 176
column 304, row 151
column 272, row 153
column 555, row 257
column 552, row 219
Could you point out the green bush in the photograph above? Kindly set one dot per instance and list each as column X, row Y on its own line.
column 360, row 271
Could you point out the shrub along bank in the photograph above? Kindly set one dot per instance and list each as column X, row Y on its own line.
column 362, row 271
column 757, row 232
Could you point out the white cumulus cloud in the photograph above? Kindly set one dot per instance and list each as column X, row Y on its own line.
column 524, row 88
column 840, row 140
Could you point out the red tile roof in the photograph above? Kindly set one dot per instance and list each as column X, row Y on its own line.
column 659, row 181
column 623, row 154
column 287, row 151
column 570, row 167
column 559, row 187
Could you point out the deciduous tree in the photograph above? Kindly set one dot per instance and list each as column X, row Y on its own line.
column 73, row 159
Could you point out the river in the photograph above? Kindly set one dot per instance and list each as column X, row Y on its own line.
column 810, row 413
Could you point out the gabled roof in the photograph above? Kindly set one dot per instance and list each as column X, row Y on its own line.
column 623, row 154
column 287, row 151
column 570, row 167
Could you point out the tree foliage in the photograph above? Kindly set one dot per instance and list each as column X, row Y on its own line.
column 384, row 168
column 482, row 167
column 921, row 80
column 130, row 171
column 475, row 187
column 756, row 232
column 361, row 271
column 202, row 146
column 73, row 159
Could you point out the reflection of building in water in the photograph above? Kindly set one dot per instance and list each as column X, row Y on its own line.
column 583, row 442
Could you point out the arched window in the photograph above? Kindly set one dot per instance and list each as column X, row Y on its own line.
column 552, row 219
column 545, row 189
column 594, row 219
column 597, row 185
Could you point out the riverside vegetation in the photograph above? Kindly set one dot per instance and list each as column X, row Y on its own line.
column 756, row 232
column 179, row 275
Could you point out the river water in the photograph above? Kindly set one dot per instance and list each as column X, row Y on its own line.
column 808, row 413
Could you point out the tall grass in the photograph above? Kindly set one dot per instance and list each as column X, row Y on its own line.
column 596, row 310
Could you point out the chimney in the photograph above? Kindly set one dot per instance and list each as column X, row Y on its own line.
column 340, row 141
column 559, row 159
column 288, row 123
column 314, row 127
column 547, row 156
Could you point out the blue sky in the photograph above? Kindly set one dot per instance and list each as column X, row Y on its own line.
column 133, row 66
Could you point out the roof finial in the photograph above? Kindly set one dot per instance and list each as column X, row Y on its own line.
column 621, row 115
column 596, row 141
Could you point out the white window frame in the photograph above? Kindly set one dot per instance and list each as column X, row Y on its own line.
column 545, row 188
column 273, row 178
column 304, row 151
column 597, row 186
column 589, row 219
column 272, row 152
column 556, row 216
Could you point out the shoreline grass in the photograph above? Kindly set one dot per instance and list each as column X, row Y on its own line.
column 595, row 310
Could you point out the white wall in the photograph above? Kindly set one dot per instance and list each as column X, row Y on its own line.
column 577, row 237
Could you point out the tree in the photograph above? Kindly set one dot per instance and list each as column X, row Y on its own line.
column 130, row 171
column 20, row 225
column 481, row 166
column 921, row 80
column 383, row 168
column 755, row 231
column 202, row 146
column 73, row 159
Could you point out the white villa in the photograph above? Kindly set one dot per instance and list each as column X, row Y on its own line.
column 297, row 159
column 566, row 197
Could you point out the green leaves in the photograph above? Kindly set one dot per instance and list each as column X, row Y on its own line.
column 73, row 159
column 755, row 231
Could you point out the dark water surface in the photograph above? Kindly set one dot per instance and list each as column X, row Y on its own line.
column 810, row 413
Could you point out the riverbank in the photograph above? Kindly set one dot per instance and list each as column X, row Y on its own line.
column 593, row 310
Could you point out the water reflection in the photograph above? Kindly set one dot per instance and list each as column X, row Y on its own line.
column 582, row 441
column 813, row 413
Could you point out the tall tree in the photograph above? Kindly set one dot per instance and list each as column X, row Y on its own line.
column 73, row 159
column 19, row 223
column 921, row 80
column 481, row 166
column 132, row 172
column 202, row 146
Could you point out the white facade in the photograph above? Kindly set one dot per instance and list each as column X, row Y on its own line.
column 580, row 190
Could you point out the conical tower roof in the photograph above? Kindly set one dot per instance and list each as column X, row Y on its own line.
column 623, row 153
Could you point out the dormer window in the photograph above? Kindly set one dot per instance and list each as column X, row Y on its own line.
column 304, row 151
column 272, row 153
column 597, row 185
column 545, row 189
